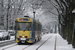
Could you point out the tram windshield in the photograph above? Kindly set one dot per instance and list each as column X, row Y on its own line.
column 24, row 26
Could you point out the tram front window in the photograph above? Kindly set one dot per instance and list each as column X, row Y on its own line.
column 24, row 26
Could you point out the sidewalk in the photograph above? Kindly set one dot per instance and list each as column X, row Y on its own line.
column 62, row 44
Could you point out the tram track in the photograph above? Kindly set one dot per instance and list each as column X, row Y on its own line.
column 55, row 42
column 9, row 47
column 6, row 43
column 26, row 47
column 43, row 43
column 29, row 45
column 16, row 47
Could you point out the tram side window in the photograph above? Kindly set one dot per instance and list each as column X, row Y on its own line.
column 39, row 27
column 34, row 26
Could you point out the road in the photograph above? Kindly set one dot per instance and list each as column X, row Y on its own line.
column 48, row 42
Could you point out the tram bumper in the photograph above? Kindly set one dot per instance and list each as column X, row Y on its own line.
column 23, row 40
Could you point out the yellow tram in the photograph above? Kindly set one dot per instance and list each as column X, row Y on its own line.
column 28, row 30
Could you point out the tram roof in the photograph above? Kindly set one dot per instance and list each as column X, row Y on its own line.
column 30, row 20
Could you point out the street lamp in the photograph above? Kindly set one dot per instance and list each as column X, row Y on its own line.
column 34, row 13
column 34, row 7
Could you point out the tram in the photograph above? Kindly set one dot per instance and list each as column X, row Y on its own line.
column 28, row 30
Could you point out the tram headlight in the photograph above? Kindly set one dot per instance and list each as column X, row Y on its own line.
column 23, row 36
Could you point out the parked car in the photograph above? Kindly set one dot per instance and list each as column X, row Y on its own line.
column 12, row 34
column 4, row 35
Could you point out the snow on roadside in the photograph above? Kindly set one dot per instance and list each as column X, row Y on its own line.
column 63, row 44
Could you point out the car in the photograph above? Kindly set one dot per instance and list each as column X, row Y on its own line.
column 12, row 34
column 4, row 35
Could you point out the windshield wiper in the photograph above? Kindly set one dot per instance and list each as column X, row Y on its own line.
column 25, row 28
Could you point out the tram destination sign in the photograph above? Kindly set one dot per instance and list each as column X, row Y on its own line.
column 24, row 19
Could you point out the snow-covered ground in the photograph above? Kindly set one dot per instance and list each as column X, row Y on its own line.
column 49, row 44
column 63, row 44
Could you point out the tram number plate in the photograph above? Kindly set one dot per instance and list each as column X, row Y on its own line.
column 23, row 38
